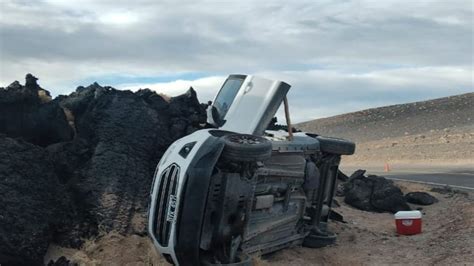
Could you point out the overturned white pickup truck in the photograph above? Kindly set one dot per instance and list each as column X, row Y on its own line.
column 225, row 192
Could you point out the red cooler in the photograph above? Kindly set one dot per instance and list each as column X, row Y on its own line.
column 408, row 222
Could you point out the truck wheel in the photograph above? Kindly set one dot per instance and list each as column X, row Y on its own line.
column 246, row 148
column 336, row 145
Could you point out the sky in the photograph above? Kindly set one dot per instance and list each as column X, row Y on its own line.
column 339, row 55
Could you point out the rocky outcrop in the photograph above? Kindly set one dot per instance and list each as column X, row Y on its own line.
column 25, row 112
column 83, row 163
column 32, row 203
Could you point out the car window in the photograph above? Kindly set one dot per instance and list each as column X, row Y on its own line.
column 227, row 95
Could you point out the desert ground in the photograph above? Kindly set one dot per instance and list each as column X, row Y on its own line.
column 370, row 238
column 365, row 239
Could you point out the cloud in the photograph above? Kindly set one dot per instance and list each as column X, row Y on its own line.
column 342, row 55
column 206, row 88
column 322, row 93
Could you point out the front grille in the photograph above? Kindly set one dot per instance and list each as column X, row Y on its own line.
column 165, row 213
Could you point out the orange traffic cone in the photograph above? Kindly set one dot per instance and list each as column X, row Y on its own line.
column 386, row 167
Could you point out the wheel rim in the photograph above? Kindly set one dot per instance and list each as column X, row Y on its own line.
column 243, row 139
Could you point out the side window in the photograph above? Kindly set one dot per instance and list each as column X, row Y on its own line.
column 227, row 95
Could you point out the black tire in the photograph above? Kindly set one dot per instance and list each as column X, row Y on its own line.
column 246, row 148
column 336, row 145
column 319, row 241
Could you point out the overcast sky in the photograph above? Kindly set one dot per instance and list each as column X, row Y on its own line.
column 339, row 56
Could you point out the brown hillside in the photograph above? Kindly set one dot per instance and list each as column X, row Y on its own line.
column 439, row 131
column 398, row 120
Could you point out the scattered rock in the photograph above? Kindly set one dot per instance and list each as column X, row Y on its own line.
column 62, row 261
column 335, row 216
column 357, row 174
column 374, row 193
column 341, row 176
column 447, row 190
column 420, row 198
column 340, row 190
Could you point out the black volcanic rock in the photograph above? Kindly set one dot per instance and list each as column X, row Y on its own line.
column 85, row 163
column 127, row 138
column 357, row 174
column 24, row 114
column 126, row 134
column 341, row 176
column 32, row 202
column 61, row 261
column 420, row 198
column 154, row 100
column 374, row 193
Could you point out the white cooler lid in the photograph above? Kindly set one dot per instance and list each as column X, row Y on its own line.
column 408, row 215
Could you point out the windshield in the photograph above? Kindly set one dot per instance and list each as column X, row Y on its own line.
column 227, row 95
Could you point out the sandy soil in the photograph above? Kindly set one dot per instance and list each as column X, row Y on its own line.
column 366, row 239
column 110, row 249
column 370, row 238
column 449, row 146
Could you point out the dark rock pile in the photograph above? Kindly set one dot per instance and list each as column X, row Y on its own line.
column 61, row 261
column 80, row 164
column 373, row 193
column 420, row 198
column 26, row 114
column 378, row 194
column 32, row 202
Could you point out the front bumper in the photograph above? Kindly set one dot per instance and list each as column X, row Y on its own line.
column 179, row 195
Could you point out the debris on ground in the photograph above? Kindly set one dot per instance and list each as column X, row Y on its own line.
column 62, row 261
column 357, row 174
column 420, row 198
column 370, row 238
column 374, row 193
column 447, row 190
column 341, row 176
column 335, row 216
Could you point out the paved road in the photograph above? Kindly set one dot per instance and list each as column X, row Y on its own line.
column 462, row 178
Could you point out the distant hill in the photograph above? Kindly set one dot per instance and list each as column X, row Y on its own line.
column 454, row 112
